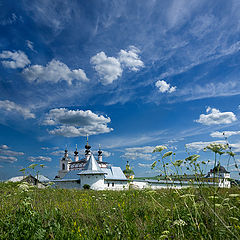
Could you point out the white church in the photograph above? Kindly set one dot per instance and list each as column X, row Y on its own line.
column 89, row 173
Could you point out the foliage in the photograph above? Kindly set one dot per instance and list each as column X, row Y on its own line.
column 131, row 214
column 86, row 186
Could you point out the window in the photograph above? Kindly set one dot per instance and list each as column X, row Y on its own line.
column 63, row 166
column 108, row 184
column 113, row 184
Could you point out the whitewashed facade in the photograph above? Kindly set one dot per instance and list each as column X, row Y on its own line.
column 98, row 175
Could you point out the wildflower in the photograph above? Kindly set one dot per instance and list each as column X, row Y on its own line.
column 154, row 164
column 178, row 163
column 32, row 165
column 167, row 154
column 216, row 147
column 212, row 197
column 179, row 222
column 233, row 219
column 159, row 148
column 24, row 187
column 234, row 195
column 192, row 158
column 164, row 236
column 187, row 195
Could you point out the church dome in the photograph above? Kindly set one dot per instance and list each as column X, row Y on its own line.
column 219, row 169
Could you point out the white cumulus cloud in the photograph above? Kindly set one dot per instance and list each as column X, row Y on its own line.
column 11, row 107
column 218, row 134
column 165, row 87
column 130, row 59
column 55, row 71
column 108, row 68
column 111, row 68
column 16, row 59
column 74, row 123
column 214, row 116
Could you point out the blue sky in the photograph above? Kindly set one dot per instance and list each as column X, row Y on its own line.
column 131, row 74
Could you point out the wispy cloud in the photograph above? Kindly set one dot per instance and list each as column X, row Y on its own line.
column 39, row 159
column 10, row 20
column 8, row 159
column 144, row 165
column 143, row 153
column 15, row 59
column 11, row 107
column 224, row 134
column 10, row 153
column 30, row 45
column 7, row 155
column 197, row 146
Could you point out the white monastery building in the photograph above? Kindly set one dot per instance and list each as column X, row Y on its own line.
column 89, row 172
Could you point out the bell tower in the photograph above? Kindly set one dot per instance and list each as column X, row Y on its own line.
column 64, row 164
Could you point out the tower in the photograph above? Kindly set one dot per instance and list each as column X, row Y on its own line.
column 64, row 164
column 76, row 157
column 99, row 154
column 129, row 173
column 87, row 151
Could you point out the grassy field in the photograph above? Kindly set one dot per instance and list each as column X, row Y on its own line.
column 201, row 213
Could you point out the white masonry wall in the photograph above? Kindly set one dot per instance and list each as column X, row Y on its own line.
column 96, row 182
column 115, row 185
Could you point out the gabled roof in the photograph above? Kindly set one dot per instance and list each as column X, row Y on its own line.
column 114, row 173
column 70, row 176
column 42, row 178
column 16, row 179
column 91, row 167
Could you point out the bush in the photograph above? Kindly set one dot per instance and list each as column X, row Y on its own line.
column 86, row 186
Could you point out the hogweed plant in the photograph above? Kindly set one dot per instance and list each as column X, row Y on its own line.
column 195, row 200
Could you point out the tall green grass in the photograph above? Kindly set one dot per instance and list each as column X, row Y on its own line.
column 30, row 213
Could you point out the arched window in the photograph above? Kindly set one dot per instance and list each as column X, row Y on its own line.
column 63, row 166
